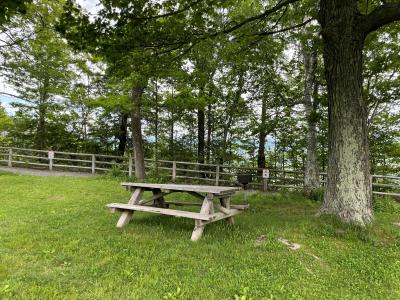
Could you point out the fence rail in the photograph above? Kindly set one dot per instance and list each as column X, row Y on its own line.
column 173, row 170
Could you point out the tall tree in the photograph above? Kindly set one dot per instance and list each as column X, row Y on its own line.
column 311, row 171
column 344, row 29
column 40, row 71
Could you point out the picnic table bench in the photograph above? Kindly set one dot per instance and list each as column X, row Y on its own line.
column 157, row 204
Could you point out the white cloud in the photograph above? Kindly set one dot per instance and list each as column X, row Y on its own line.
column 92, row 6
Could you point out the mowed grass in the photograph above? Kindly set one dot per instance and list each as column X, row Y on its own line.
column 58, row 241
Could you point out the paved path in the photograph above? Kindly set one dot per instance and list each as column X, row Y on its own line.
column 35, row 172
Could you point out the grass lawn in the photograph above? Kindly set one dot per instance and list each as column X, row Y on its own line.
column 58, row 241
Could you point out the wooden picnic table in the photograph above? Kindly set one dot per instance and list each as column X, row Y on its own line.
column 157, row 204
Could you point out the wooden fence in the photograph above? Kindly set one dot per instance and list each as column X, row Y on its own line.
column 177, row 171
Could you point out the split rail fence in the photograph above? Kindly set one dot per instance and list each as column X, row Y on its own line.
column 177, row 171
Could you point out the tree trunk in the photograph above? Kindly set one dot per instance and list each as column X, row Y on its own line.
column 262, row 135
column 41, row 127
column 122, row 133
column 209, row 132
column 171, row 137
column 137, row 139
column 348, row 191
column 311, row 174
column 200, row 135
column 156, row 125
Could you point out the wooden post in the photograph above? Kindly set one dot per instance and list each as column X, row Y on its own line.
column 217, row 176
column 130, row 165
column 10, row 152
column 93, row 164
column 173, row 170
column 265, row 184
column 127, row 215
column 205, row 209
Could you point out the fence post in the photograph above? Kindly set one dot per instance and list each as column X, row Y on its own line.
column 265, row 177
column 217, row 176
column 10, row 152
column 50, row 164
column 265, row 184
column 173, row 170
column 93, row 164
column 130, row 165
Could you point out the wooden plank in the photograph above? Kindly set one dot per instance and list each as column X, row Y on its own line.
column 155, row 197
column 162, row 211
column 205, row 209
column 220, row 216
column 226, row 204
column 178, row 203
column 216, row 190
column 240, row 206
column 127, row 215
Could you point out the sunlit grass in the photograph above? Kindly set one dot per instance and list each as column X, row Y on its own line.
column 58, row 241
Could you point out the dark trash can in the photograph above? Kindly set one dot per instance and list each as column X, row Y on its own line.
column 245, row 180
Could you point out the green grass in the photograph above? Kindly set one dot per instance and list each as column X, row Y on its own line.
column 58, row 241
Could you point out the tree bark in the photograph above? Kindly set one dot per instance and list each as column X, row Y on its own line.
column 137, row 139
column 200, row 135
column 311, row 172
column 262, row 136
column 171, row 136
column 209, row 132
column 122, row 133
column 348, row 191
column 156, row 125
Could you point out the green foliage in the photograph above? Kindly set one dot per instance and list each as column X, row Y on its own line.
column 386, row 205
column 10, row 7
column 115, row 171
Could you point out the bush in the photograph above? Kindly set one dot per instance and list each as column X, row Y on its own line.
column 115, row 171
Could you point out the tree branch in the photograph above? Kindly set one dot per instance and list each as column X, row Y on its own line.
column 262, row 33
column 385, row 14
column 254, row 18
column 172, row 13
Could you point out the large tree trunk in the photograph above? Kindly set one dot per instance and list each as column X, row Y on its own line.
column 311, row 172
column 137, row 139
column 348, row 191
column 122, row 133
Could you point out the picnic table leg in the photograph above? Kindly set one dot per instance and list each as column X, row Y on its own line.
column 160, row 202
column 205, row 209
column 127, row 215
column 226, row 202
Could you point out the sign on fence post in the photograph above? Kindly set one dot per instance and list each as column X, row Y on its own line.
column 265, row 176
column 51, row 157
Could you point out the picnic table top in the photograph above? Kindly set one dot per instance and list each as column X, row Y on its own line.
column 217, row 190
